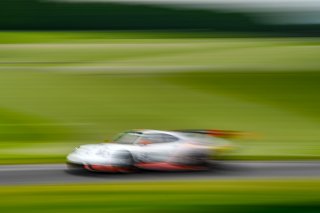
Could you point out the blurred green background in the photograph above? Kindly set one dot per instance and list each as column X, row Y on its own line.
column 222, row 196
column 62, row 89
column 79, row 72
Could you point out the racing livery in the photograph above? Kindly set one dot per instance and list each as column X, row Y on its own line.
column 152, row 149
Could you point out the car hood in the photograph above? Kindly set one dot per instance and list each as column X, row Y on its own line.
column 106, row 146
column 98, row 153
column 103, row 149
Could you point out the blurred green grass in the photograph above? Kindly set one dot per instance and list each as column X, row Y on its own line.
column 62, row 89
column 34, row 37
column 205, row 196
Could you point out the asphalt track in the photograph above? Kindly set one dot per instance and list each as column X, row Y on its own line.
column 58, row 173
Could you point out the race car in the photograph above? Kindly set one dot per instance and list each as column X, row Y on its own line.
column 177, row 150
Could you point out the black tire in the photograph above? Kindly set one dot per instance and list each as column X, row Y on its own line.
column 125, row 159
column 198, row 159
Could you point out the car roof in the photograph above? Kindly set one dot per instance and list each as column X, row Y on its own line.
column 153, row 131
column 148, row 131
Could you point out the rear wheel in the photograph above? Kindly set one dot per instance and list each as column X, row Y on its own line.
column 197, row 159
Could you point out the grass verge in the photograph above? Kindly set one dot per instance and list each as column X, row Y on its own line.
column 205, row 196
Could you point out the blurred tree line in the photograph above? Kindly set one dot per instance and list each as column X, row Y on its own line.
column 54, row 15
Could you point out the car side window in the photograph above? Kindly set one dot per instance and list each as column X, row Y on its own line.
column 170, row 138
column 159, row 138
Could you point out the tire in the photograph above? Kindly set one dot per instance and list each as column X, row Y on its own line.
column 124, row 158
column 198, row 159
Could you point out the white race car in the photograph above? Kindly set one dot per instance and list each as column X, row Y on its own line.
column 152, row 149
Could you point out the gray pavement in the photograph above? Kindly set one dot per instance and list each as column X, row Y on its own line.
column 59, row 174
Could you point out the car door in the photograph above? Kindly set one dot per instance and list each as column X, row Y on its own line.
column 156, row 147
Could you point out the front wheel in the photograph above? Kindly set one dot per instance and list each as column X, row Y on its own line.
column 123, row 159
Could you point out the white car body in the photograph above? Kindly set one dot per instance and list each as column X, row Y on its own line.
column 148, row 149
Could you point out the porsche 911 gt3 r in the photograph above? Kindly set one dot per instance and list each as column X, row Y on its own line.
column 152, row 149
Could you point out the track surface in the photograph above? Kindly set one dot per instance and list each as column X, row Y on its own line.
column 58, row 173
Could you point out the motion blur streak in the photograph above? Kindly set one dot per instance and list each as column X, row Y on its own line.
column 207, row 196
column 286, row 18
column 222, row 170
column 75, row 72
column 265, row 86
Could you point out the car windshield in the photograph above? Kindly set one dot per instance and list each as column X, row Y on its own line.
column 126, row 138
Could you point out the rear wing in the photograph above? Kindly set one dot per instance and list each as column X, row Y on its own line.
column 220, row 133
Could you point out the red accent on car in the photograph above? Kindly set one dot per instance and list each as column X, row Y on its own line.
column 106, row 168
column 168, row 166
